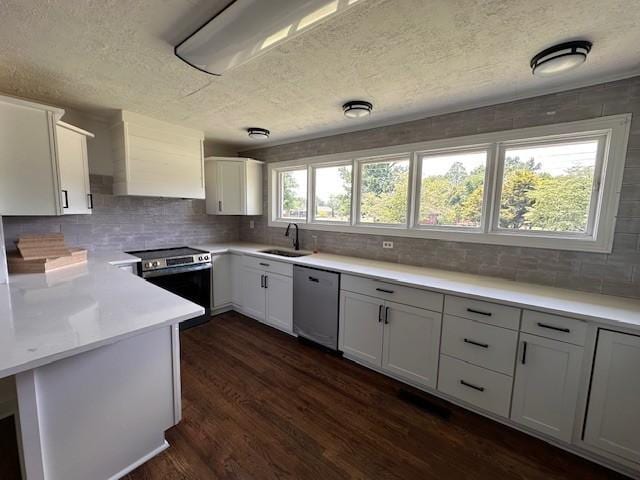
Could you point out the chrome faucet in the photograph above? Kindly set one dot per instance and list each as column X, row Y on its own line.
column 296, row 242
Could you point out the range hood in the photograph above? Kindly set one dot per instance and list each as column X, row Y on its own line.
column 248, row 28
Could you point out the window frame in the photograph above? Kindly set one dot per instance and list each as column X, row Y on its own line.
column 612, row 153
column 312, row 171
column 281, row 218
column 594, row 203
column 358, row 164
column 486, row 193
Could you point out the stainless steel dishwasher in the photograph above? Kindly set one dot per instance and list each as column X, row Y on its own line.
column 315, row 305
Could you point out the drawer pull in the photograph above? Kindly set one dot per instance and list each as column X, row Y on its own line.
column 264, row 264
column 552, row 327
column 380, row 313
column 524, row 352
column 477, row 344
column 471, row 385
column 384, row 290
column 479, row 312
column 314, row 279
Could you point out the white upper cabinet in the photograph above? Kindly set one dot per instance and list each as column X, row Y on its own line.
column 43, row 162
column 233, row 186
column 74, row 169
column 157, row 159
column 613, row 415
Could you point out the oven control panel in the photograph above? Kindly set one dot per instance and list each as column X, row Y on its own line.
column 174, row 262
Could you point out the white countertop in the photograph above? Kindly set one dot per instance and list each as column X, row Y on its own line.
column 47, row 317
column 605, row 309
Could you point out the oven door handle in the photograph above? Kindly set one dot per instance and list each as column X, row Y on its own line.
column 163, row 272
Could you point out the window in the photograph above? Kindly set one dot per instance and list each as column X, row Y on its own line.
column 550, row 187
column 384, row 189
column 452, row 189
column 553, row 186
column 332, row 189
column 293, row 194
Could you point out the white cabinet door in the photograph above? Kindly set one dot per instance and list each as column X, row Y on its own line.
column 279, row 290
column 221, row 280
column 28, row 173
column 236, row 279
column 613, row 415
column 74, row 171
column 230, row 178
column 361, row 327
column 546, row 385
column 253, row 293
column 411, row 342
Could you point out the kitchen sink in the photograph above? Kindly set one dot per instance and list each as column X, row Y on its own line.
column 285, row 253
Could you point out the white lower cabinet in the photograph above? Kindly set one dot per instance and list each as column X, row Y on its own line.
column 411, row 343
column 401, row 339
column 253, row 295
column 361, row 327
column 546, row 385
column 613, row 415
column 268, row 297
column 478, row 386
column 221, row 287
column 235, row 265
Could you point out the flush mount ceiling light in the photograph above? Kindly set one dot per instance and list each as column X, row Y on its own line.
column 258, row 133
column 560, row 58
column 247, row 28
column 357, row 109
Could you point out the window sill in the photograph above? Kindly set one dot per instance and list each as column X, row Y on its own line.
column 555, row 242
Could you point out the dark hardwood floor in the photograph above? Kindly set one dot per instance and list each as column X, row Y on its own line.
column 259, row 404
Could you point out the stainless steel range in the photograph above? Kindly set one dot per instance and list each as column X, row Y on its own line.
column 182, row 270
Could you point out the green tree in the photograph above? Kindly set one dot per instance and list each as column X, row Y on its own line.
column 520, row 179
column 561, row 203
column 291, row 202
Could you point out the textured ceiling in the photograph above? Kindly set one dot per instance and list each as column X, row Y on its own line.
column 411, row 58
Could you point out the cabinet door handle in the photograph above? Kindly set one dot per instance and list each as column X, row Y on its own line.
column 314, row 279
column 90, row 198
column 477, row 344
column 471, row 385
column 261, row 281
column 264, row 264
column 219, row 205
column 552, row 327
column 65, row 204
column 386, row 315
column 384, row 290
column 524, row 352
column 479, row 312
column 380, row 313
column 266, row 281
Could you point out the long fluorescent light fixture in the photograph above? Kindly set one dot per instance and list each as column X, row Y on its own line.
column 248, row 28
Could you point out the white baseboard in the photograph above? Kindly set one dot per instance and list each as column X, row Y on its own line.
column 141, row 460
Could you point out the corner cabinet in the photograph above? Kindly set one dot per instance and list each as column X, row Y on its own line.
column 233, row 186
column 156, row 159
column 613, row 414
column 43, row 162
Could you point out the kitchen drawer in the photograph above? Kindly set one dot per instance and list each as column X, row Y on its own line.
column 475, row 385
column 396, row 293
column 483, row 345
column 268, row 265
column 564, row 329
column 486, row 312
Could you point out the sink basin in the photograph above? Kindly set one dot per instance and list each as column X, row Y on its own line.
column 285, row 253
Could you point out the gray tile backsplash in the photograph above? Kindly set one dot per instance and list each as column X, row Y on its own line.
column 124, row 223
column 616, row 274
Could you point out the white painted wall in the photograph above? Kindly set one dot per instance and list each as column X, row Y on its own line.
column 98, row 148
column 4, row 275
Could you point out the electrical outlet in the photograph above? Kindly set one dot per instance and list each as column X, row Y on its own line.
column 387, row 244
column 252, row 223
